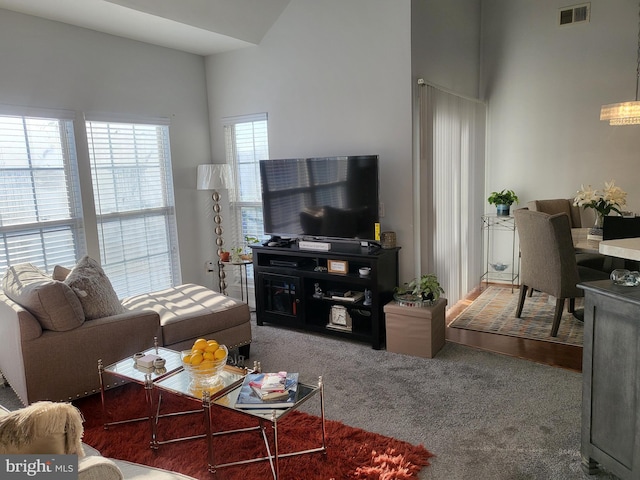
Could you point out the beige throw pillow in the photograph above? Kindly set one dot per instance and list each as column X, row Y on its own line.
column 97, row 296
column 53, row 303
column 60, row 273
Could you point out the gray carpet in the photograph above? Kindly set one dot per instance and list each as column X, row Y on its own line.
column 484, row 416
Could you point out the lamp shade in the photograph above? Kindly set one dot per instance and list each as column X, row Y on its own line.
column 213, row 176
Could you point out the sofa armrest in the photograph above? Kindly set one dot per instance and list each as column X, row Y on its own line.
column 16, row 324
column 72, row 356
column 98, row 468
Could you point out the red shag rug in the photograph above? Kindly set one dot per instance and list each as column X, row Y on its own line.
column 352, row 453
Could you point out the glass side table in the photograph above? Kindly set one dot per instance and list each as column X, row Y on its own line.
column 492, row 225
column 180, row 384
column 264, row 418
column 127, row 371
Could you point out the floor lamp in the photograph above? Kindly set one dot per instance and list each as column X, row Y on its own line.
column 216, row 177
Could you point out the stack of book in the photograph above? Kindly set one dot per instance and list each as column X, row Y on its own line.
column 348, row 296
column 268, row 390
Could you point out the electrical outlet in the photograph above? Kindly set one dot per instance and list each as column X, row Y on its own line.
column 210, row 266
column 381, row 210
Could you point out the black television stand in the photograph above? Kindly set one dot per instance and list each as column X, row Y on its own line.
column 292, row 288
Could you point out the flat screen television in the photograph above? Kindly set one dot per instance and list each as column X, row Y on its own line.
column 324, row 198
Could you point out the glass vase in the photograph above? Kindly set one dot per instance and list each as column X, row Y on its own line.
column 595, row 232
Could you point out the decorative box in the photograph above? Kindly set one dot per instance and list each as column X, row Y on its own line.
column 417, row 331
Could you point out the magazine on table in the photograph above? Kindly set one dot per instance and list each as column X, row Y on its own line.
column 268, row 390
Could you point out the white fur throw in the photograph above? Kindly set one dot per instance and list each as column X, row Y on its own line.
column 97, row 296
column 49, row 426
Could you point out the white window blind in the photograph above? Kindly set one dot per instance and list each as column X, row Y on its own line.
column 452, row 179
column 135, row 208
column 40, row 208
column 246, row 141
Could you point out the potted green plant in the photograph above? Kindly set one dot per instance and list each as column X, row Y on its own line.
column 243, row 253
column 424, row 290
column 503, row 201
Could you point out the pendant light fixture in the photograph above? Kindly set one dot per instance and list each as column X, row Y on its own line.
column 625, row 113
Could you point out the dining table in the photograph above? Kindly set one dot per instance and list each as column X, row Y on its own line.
column 627, row 248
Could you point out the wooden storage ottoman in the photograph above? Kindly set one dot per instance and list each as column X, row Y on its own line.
column 417, row 331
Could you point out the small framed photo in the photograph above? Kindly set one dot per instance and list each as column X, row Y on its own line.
column 338, row 266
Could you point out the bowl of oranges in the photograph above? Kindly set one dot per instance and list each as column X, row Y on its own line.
column 204, row 362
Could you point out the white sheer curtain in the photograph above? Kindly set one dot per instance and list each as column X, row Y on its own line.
column 451, row 186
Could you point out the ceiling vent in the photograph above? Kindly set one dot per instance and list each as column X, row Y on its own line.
column 574, row 14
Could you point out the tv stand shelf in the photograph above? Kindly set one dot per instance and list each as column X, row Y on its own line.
column 286, row 279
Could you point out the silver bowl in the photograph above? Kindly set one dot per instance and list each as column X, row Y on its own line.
column 500, row 267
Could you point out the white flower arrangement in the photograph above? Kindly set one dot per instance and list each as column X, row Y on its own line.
column 603, row 202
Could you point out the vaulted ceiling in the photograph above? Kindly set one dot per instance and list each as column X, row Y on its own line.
column 203, row 27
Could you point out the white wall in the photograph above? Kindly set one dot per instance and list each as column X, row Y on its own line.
column 334, row 77
column 545, row 85
column 53, row 65
column 445, row 44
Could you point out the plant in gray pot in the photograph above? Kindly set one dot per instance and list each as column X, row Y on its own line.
column 503, row 201
column 422, row 291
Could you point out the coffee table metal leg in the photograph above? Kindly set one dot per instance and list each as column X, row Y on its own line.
column 273, row 460
column 206, row 407
column 104, row 409
column 148, row 393
column 324, row 431
column 274, row 423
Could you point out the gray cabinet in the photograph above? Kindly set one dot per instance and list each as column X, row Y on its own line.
column 611, row 379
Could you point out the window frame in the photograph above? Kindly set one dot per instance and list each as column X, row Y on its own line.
column 44, row 252
column 242, row 208
column 119, row 270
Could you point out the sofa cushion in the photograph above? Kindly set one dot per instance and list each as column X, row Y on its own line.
column 190, row 311
column 92, row 286
column 129, row 470
column 95, row 467
column 53, row 303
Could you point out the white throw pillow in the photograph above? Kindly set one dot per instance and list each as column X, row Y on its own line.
column 97, row 296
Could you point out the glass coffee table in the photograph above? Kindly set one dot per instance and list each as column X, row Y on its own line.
column 126, row 370
column 172, row 378
column 264, row 418
column 224, row 396
column 179, row 383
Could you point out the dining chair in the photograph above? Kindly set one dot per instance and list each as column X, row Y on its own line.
column 548, row 261
column 578, row 218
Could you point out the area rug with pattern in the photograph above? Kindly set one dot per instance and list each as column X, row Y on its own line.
column 494, row 311
column 352, row 453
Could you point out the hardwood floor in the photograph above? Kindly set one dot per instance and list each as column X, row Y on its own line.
column 549, row 353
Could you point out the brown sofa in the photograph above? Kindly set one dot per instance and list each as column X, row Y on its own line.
column 48, row 355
